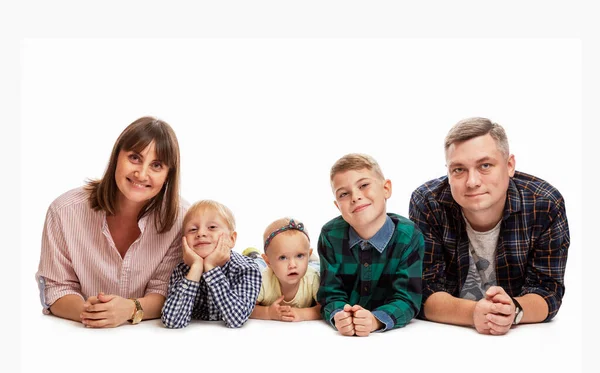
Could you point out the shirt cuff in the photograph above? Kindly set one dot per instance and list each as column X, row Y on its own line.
column 48, row 299
column 385, row 319
column 42, row 287
column 331, row 322
column 189, row 287
column 214, row 275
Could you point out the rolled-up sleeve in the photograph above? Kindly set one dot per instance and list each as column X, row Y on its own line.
column 546, row 267
column 159, row 283
column 55, row 276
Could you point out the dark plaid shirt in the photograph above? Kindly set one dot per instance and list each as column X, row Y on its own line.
column 531, row 254
column 384, row 280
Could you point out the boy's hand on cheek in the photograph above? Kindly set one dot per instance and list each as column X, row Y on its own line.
column 220, row 255
column 189, row 256
column 194, row 261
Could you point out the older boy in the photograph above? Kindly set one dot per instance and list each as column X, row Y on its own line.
column 371, row 261
column 496, row 240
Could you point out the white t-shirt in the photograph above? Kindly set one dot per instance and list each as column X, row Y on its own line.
column 482, row 262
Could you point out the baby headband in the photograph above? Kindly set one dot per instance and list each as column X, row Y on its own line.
column 292, row 225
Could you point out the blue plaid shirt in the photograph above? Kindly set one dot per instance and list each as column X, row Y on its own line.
column 225, row 293
column 531, row 254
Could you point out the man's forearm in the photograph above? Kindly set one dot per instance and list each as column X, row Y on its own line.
column 443, row 307
column 535, row 308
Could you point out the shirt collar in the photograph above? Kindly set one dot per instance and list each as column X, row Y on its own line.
column 142, row 222
column 380, row 240
column 513, row 201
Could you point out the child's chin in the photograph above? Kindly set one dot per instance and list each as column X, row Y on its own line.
column 292, row 280
column 202, row 254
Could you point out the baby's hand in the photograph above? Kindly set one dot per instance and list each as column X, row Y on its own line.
column 290, row 314
column 276, row 310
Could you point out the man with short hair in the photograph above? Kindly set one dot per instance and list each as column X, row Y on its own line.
column 496, row 240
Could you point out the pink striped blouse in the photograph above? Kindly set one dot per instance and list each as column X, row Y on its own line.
column 79, row 256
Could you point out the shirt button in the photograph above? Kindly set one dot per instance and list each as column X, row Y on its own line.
column 366, row 265
column 366, row 288
column 184, row 286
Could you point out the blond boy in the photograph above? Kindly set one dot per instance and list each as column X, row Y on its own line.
column 213, row 282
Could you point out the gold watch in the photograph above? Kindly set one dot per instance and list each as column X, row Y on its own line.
column 138, row 313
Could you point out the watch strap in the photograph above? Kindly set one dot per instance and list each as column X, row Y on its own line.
column 518, row 310
column 138, row 307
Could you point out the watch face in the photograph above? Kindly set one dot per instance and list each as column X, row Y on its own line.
column 519, row 317
column 138, row 316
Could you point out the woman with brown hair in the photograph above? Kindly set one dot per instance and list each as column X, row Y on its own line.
column 109, row 247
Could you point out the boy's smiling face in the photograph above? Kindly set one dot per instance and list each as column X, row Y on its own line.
column 361, row 196
column 202, row 231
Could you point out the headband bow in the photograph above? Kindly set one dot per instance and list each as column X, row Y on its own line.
column 291, row 225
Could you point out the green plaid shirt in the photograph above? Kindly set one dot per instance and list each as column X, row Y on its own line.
column 382, row 278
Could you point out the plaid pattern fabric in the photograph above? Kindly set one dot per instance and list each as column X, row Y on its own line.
column 387, row 281
column 532, row 247
column 225, row 293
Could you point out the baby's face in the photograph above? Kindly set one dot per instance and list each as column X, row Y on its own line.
column 288, row 255
column 202, row 231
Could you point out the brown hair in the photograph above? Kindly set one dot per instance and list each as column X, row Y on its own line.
column 470, row 128
column 355, row 161
column 220, row 208
column 136, row 137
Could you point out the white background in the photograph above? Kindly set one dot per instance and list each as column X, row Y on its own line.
column 57, row 346
column 261, row 121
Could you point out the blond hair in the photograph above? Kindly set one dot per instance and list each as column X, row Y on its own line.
column 356, row 161
column 470, row 128
column 220, row 208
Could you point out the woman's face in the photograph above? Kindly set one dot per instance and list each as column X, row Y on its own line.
column 140, row 176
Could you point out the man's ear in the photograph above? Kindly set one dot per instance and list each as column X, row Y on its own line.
column 511, row 164
column 266, row 259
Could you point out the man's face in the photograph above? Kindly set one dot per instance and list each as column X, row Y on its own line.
column 479, row 173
